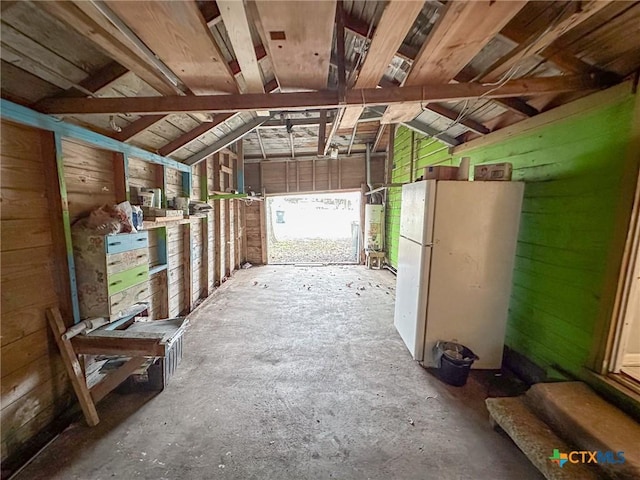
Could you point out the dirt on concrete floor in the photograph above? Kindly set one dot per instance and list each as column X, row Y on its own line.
column 293, row 373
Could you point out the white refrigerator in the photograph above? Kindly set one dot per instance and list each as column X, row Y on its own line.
column 455, row 266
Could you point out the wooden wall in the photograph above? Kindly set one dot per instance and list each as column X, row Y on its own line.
column 575, row 165
column 35, row 389
column 34, row 386
column 320, row 175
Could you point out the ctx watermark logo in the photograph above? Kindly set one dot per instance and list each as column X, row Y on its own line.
column 585, row 456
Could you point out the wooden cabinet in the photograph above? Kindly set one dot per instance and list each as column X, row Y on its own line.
column 112, row 272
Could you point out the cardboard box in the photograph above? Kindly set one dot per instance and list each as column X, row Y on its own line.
column 493, row 172
column 440, row 173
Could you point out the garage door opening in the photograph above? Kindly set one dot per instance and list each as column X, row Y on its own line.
column 313, row 228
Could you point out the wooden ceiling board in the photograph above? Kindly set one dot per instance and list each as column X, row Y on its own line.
column 23, row 87
column 603, row 45
column 299, row 38
column 32, row 21
column 397, row 18
column 108, row 39
column 177, row 33
column 543, row 39
column 462, row 31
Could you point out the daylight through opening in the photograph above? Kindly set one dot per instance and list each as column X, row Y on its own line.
column 314, row 228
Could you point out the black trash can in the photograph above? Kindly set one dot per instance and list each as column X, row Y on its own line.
column 454, row 362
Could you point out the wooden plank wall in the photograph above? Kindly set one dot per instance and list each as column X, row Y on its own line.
column 35, row 389
column 255, row 233
column 90, row 178
column 306, row 176
column 34, row 386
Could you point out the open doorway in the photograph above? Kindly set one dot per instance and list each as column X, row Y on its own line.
column 624, row 354
column 313, row 228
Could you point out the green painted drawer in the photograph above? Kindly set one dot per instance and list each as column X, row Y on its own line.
column 120, row 301
column 119, row 262
column 123, row 280
column 126, row 241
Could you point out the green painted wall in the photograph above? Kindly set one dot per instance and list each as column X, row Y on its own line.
column 570, row 226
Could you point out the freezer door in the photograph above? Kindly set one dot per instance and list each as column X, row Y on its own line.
column 416, row 211
column 411, row 294
column 474, row 243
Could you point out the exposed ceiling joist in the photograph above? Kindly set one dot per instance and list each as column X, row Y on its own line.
column 192, row 135
column 425, row 130
column 300, row 50
column 455, row 116
column 322, row 132
column 379, row 135
column 225, row 141
column 540, row 41
column 111, row 41
column 177, row 33
column 301, row 157
column 321, row 99
column 235, row 21
column 100, row 79
column 397, row 18
column 362, row 29
column 260, row 144
column 137, row 127
column 461, row 32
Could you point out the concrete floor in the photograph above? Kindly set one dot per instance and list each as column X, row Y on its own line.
column 293, row 373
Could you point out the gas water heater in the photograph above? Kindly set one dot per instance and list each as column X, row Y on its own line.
column 374, row 227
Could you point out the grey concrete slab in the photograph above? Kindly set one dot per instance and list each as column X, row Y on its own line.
column 293, row 373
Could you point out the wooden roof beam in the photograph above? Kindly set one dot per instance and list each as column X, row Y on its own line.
column 323, row 99
column 462, row 30
column 225, row 141
column 396, row 21
column 359, row 28
column 455, row 116
column 235, row 21
column 192, row 135
column 138, row 126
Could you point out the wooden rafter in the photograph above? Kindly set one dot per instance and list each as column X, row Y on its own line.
column 298, row 39
column 178, row 34
column 100, row 79
column 455, row 116
column 379, row 135
column 235, row 21
column 397, row 18
column 321, row 99
column 139, row 126
column 226, row 141
column 540, row 41
column 111, row 42
column 461, row 32
column 192, row 135
column 322, row 132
